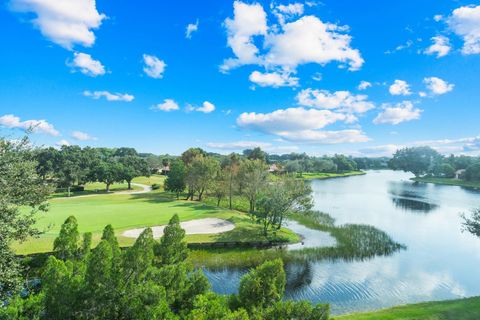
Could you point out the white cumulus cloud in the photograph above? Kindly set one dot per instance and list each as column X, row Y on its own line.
column 64, row 22
column 86, row 64
column 400, row 88
column 309, row 40
column 109, row 96
column 291, row 119
column 154, row 67
column 286, row 12
column 364, row 85
column 273, row 79
column 465, row 22
column 342, row 101
column 301, row 125
column 440, row 46
column 191, row 28
column 401, row 112
column 326, row 137
column 206, row 107
column 248, row 21
column 36, row 126
column 82, row 136
column 167, row 105
column 302, row 41
column 438, row 86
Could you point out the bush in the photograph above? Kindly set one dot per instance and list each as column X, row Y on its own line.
column 156, row 186
column 77, row 188
column 472, row 173
column 72, row 189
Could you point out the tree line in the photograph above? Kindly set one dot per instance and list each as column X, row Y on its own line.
column 270, row 198
column 425, row 161
column 72, row 166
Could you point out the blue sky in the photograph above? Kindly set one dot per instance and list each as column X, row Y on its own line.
column 162, row 76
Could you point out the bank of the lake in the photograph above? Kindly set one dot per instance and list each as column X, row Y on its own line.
column 130, row 211
column 439, row 262
column 449, row 182
column 460, row 309
column 326, row 175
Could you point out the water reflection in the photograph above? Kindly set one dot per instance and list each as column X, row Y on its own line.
column 299, row 275
column 411, row 197
column 440, row 262
column 413, row 205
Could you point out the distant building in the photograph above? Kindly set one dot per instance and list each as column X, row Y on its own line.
column 459, row 173
column 164, row 170
column 274, row 168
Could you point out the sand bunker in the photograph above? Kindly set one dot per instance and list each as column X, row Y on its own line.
column 200, row 226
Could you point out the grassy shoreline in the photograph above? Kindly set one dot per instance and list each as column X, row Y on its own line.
column 449, row 182
column 326, row 175
column 460, row 309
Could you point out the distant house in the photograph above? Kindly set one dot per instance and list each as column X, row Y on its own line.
column 274, row 168
column 164, row 170
column 459, row 173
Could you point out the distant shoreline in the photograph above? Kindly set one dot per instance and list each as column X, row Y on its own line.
column 323, row 176
column 448, row 182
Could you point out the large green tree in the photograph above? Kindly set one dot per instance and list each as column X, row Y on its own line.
column 253, row 176
column 200, row 175
column 281, row 198
column 133, row 166
column 20, row 188
column 109, row 171
column 175, row 181
column 417, row 160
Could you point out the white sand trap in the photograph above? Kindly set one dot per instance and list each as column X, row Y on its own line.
column 199, row 226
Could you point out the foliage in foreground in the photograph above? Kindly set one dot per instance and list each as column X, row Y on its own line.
column 20, row 187
column 472, row 223
column 150, row 280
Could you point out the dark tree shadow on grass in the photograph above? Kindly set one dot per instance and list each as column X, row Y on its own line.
column 154, row 197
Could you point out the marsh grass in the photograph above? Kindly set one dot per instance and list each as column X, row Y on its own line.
column 354, row 242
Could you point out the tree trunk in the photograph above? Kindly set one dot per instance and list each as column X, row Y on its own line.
column 280, row 223
column 230, row 194
column 108, row 186
column 129, row 185
column 218, row 201
column 200, row 194
column 265, row 226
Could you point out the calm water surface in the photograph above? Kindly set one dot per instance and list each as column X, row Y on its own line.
column 440, row 262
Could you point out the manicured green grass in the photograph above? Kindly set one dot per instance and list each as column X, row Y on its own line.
column 462, row 309
column 449, row 181
column 325, row 175
column 126, row 211
column 154, row 178
column 99, row 187
column 96, row 188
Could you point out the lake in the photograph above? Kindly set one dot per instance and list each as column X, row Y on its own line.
column 440, row 261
